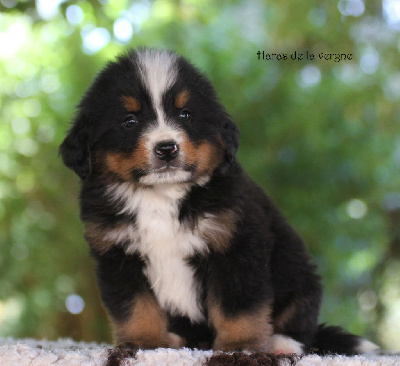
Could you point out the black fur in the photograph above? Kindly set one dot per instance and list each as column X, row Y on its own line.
column 263, row 261
column 331, row 339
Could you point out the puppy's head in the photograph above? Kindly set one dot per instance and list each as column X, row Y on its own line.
column 152, row 118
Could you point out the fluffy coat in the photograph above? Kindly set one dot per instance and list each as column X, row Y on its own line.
column 189, row 250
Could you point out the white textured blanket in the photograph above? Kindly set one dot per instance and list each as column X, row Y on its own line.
column 65, row 352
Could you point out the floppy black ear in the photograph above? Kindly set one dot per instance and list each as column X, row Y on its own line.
column 230, row 138
column 75, row 150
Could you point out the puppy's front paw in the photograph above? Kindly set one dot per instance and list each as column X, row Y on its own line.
column 241, row 345
column 175, row 341
column 138, row 343
column 121, row 352
column 128, row 347
column 280, row 344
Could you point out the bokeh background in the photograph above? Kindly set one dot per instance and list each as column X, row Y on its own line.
column 321, row 136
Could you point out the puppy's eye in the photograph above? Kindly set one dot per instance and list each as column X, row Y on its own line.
column 130, row 121
column 185, row 115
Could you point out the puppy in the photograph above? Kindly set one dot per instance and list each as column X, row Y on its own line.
column 189, row 251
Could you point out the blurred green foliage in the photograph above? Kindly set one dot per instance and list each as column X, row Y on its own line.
column 320, row 136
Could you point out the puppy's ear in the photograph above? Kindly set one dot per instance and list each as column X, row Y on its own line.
column 230, row 137
column 75, row 150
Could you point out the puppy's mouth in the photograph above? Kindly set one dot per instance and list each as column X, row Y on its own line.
column 166, row 168
column 167, row 174
column 160, row 166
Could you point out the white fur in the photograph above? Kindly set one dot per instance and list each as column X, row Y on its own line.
column 155, row 135
column 366, row 346
column 159, row 133
column 65, row 351
column 158, row 236
column 121, row 235
column 164, row 244
column 178, row 176
column 159, row 72
column 162, row 132
column 283, row 344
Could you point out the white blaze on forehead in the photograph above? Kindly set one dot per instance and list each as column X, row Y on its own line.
column 159, row 72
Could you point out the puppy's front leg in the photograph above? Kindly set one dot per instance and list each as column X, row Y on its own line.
column 144, row 327
column 249, row 329
column 137, row 319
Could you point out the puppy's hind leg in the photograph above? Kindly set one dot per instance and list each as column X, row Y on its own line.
column 296, row 323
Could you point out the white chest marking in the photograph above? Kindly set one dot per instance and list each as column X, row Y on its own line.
column 165, row 244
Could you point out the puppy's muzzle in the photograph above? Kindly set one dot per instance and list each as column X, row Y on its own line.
column 166, row 150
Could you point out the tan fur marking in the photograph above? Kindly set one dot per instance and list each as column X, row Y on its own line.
column 181, row 99
column 131, row 104
column 176, row 341
column 218, row 230
column 94, row 235
column 146, row 327
column 189, row 149
column 206, row 156
column 122, row 164
column 100, row 239
column 251, row 331
column 286, row 316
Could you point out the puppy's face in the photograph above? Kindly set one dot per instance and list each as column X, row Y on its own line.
column 152, row 118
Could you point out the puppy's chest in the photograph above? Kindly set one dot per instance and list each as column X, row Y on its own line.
column 165, row 245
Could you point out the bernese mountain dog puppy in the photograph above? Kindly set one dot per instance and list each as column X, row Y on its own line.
column 189, row 251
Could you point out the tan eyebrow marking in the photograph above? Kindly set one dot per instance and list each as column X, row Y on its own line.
column 181, row 99
column 131, row 103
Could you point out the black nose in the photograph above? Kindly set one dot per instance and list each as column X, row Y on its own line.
column 167, row 150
